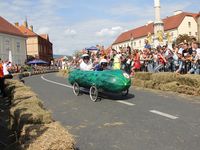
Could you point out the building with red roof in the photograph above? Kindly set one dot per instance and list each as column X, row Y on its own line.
column 12, row 43
column 179, row 23
column 38, row 46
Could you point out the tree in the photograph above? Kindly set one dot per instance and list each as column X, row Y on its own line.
column 184, row 38
column 77, row 53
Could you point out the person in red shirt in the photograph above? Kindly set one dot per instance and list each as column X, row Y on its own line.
column 2, row 86
column 136, row 64
column 161, row 61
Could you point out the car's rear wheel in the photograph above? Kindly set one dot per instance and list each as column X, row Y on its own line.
column 76, row 88
column 125, row 92
column 94, row 93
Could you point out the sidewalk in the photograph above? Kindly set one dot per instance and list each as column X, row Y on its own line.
column 7, row 137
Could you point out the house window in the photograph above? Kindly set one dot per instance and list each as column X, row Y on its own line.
column 7, row 45
column 134, row 43
column 19, row 61
column 140, row 43
column 18, row 46
column 189, row 24
column 196, row 33
column 190, row 33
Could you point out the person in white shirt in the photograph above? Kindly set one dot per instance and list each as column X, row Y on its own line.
column 195, row 64
column 86, row 64
column 180, row 51
column 6, row 66
column 196, row 48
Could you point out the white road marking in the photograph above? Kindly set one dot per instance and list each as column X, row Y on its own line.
column 126, row 103
column 163, row 114
column 56, row 82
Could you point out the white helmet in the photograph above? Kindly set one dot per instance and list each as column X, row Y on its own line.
column 85, row 56
column 103, row 61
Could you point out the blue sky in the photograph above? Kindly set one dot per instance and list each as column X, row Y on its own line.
column 75, row 24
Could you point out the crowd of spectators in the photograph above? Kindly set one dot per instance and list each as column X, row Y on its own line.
column 182, row 58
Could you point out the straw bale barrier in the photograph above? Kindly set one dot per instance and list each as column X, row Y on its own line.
column 27, row 73
column 46, row 137
column 186, row 84
column 33, row 124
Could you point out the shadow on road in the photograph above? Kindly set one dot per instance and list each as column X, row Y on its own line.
column 109, row 95
column 113, row 96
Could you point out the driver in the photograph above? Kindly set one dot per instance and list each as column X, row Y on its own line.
column 86, row 64
column 103, row 65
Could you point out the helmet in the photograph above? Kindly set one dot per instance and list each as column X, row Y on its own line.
column 85, row 56
column 103, row 62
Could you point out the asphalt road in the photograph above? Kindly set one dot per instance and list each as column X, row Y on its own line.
column 145, row 120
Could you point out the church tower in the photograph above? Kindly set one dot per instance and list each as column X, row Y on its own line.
column 158, row 25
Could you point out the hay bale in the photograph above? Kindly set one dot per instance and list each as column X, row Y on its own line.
column 10, row 81
column 31, row 100
column 26, row 74
column 189, row 80
column 187, row 90
column 46, row 137
column 11, row 85
column 164, row 77
column 171, row 86
column 198, row 91
column 9, row 89
column 138, row 82
column 143, row 75
column 149, row 84
column 193, row 76
column 22, row 93
column 29, row 112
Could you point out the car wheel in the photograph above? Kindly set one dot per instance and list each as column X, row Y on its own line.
column 125, row 93
column 76, row 88
column 94, row 93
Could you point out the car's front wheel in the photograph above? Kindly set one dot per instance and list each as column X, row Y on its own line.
column 94, row 93
column 125, row 92
column 76, row 88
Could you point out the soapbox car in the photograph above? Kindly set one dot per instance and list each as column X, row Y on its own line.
column 115, row 81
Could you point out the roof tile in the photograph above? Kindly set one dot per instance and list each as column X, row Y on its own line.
column 7, row 28
column 27, row 32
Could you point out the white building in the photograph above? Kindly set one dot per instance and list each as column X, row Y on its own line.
column 12, row 43
column 179, row 23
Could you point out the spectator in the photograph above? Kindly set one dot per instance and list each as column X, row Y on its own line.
column 2, row 86
column 117, row 60
column 6, row 70
column 103, row 65
column 161, row 61
column 195, row 59
column 86, row 64
column 182, row 58
column 147, row 45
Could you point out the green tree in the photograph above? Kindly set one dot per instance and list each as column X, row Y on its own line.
column 185, row 38
column 77, row 53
